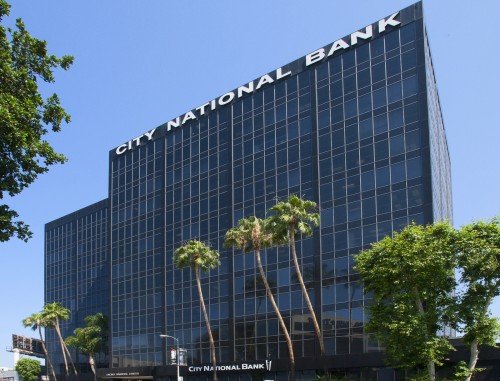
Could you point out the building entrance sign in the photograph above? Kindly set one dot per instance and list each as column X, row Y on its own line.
column 263, row 366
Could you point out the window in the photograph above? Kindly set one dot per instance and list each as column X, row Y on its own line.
column 379, row 98
column 410, row 86
column 394, row 92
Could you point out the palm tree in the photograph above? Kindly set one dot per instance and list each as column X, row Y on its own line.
column 53, row 313
column 197, row 255
column 36, row 322
column 90, row 339
column 251, row 234
column 293, row 217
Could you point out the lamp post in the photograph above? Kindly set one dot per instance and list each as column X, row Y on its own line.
column 176, row 352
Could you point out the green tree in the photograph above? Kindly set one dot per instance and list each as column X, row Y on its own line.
column 478, row 248
column 53, row 313
column 91, row 339
column 411, row 277
column 25, row 116
column 291, row 219
column 197, row 255
column 36, row 322
column 252, row 234
column 28, row 369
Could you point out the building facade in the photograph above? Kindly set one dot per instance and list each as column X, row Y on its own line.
column 77, row 273
column 355, row 126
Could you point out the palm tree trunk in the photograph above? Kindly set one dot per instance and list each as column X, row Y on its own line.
column 61, row 342
column 278, row 314
column 207, row 322
column 70, row 359
column 65, row 350
column 306, row 295
column 47, row 357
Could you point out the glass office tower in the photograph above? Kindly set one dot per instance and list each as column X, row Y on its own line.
column 355, row 126
column 76, row 273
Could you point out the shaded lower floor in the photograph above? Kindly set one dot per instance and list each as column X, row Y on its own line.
column 359, row 367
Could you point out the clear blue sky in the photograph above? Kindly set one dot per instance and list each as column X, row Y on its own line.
column 139, row 64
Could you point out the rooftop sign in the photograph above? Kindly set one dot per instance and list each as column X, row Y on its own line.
column 310, row 59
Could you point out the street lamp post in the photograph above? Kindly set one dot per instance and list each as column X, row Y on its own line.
column 176, row 352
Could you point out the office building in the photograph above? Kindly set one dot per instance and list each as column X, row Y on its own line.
column 77, row 273
column 355, row 126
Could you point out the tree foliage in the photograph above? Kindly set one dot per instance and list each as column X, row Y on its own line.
column 294, row 217
column 91, row 339
column 415, row 292
column 28, row 369
column 196, row 254
column 25, row 116
column 411, row 278
column 478, row 253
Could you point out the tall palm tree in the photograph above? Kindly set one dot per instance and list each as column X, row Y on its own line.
column 90, row 339
column 197, row 255
column 36, row 322
column 293, row 217
column 251, row 235
column 53, row 313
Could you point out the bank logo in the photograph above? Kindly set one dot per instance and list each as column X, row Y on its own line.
column 268, row 365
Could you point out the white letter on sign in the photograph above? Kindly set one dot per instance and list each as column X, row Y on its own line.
column 315, row 56
column 390, row 21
